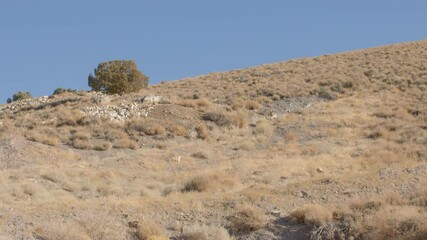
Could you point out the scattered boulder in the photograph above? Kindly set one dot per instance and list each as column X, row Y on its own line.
column 155, row 99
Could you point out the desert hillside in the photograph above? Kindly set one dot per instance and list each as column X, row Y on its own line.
column 330, row 147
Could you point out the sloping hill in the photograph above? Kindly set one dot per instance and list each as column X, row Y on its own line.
column 334, row 145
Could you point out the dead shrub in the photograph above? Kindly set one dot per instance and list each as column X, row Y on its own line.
column 365, row 206
column 203, row 131
column 102, row 146
column 194, row 103
column 83, row 144
column 149, row 230
column 312, row 214
column 252, row 105
column 384, row 114
column 375, row 134
column 81, row 134
column 394, row 199
column 125, row 143
column 199, row 183
column 240, row 119
column 179, row 130
column 105, row 227
column 248, row 218
column 59, row 230
column 239, row 104
column 207, row 182
column 223, row 119
column 190, row 103
column 203, row 232
column 71, row 118
column 247, row 145
column 42, row 137
column 291, row 137
column 5, row 127
column 203, row 103
column 220, row 118
column 264, row 127
column 200, row 155
column 148, row 128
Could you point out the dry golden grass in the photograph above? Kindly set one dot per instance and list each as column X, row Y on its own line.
column 202, row 104
column 58, row 230
column 347, row 132
column 389, row 217
column 71, row 118
column 42, row 137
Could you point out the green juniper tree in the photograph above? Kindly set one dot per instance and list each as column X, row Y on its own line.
column 117, row 77
column 21, row 95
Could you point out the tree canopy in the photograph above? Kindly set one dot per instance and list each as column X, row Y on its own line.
column 21, row 95
column 117, row 77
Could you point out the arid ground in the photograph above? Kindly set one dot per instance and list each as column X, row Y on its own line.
column 330, row 147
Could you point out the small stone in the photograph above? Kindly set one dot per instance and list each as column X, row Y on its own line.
column 348, row 192
column 275, row 213
column 320, row 170
column 302, row 194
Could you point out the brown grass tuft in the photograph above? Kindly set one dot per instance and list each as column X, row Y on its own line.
column 125, row 143
column 312, row 214
column 149, row 230
column 59, row 230
column 249, row 218
column 179, row 130
column 219, row 117
column 247, row 145
column 203, row 131
column 208, row 181
column 71, row 118
column 42, row 137
column 200, row 155
column 264, row 127
column 148, row 128
column 203, row 232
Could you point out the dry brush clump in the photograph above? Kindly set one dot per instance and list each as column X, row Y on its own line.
column 312, row 214
column 209, row 182
column 102, row 226
column 61, row 230
column 205, row 232
column 179, row 130
column 248, row 218
column 264, row 127
column 149, row 230
column 145, row 127
column 388, row 217
column 239, row 104
column 72, row 118
column 226, row 119
column 203, row 131
column 43, row 135
column 201, row 104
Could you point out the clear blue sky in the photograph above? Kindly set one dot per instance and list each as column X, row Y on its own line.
column 47, row 44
